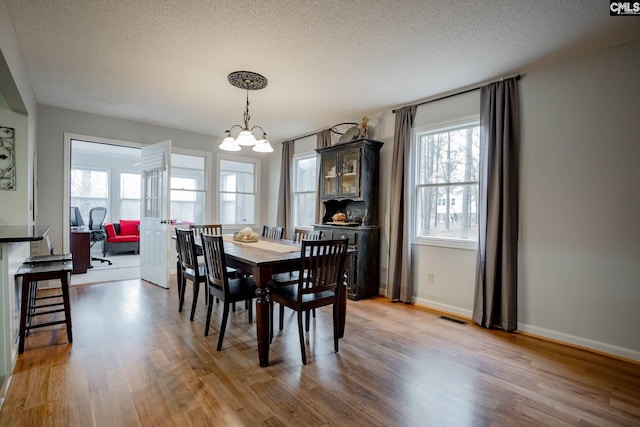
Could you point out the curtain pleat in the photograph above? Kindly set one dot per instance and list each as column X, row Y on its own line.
column 323, row 140
column 399, row 282
column 284, row 217
column 496, row 293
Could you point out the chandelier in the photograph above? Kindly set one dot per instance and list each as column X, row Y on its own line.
column 247, row 80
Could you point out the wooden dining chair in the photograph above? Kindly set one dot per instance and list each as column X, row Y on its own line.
column 220, row 286
column 270, row 232
column 319, row 279
column 214, row 229
column 190, row 268
column 300, row 234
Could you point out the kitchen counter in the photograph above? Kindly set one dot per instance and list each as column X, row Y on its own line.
column 22, row 233
column 15, row 246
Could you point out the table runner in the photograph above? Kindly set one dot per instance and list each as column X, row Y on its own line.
column 266, row 245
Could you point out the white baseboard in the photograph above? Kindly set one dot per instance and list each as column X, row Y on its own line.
column 560, row 337
column 443, row 307
column 587, row 344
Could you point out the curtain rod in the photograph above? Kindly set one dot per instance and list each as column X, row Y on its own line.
column 304, row 136
column 517, row 77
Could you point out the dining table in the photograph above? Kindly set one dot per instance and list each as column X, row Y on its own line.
column 262, row 259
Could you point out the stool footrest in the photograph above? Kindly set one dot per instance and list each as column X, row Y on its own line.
column 42, row 325
column 36, row 307
column 49, row 297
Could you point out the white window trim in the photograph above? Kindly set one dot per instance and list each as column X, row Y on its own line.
column 298, row 156
column 471, row 245
column 257, row 179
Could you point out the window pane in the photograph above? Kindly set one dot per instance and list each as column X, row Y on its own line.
column 188, row 196
column 89, row 189
column 89, row 183
column 237, row 192
column 129, row 209
column 237, row 208
column 450, row 156
column 130, row 185
column 305, row 178
column 446, row 176
column 304, row 205
column 447, row 211
column 236, row 176
column 129, row 195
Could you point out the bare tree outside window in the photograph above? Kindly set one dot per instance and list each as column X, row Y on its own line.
column 446, row 171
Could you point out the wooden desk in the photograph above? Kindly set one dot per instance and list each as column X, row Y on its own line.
column 81, row 250
column 262, row 265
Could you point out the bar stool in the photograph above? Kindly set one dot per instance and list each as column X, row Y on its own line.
column 48, row 267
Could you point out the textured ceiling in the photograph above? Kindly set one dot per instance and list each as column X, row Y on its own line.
column 166, row 62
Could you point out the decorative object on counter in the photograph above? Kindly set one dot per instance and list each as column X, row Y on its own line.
column 7, row 158
column 337, row 131
column 363, row 131
column 246, row 235
column 356, row 131
column 339, row 217
column 247, row 80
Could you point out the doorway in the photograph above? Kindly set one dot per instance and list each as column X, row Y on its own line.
column 105, row 176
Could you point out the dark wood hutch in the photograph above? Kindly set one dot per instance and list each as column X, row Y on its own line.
column 350, row 174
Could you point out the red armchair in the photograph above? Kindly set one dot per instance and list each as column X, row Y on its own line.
column 122, row 237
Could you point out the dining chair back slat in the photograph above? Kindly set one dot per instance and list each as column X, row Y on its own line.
column 213, row 229
column 300, row 234
column 270, row 232
column 322, row 266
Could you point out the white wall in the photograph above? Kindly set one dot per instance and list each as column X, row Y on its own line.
column 16, row 206
column 54, row 122
column 579, row 269
column 579, row 260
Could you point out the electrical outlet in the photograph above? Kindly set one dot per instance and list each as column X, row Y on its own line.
column 430, row 277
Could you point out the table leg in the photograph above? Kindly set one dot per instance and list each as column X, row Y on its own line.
column 342, row 308
column 263, row 303
column 67, row 304
column 26, row 279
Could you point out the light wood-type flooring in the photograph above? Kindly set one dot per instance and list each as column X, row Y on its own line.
column 136, row 361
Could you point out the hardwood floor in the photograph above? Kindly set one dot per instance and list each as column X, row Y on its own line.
column 136, row 361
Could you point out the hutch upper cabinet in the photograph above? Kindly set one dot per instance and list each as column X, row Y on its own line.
column 350, row 172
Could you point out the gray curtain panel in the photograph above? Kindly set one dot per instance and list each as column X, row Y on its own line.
column 284, row 217
column 399, row 284
column 323, row 140
column 496, row 295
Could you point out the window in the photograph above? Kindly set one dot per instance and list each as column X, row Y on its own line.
column 188, row 194
column 238, row 192
column 129, row 195
column 305, row 182
column 446, row 185
column 89, row 189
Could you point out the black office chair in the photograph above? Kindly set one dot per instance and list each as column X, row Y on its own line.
column 96, row 221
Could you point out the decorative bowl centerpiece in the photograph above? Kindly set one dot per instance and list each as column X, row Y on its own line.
column 246, row 235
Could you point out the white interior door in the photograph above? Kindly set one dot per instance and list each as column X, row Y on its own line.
column 154, row 217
